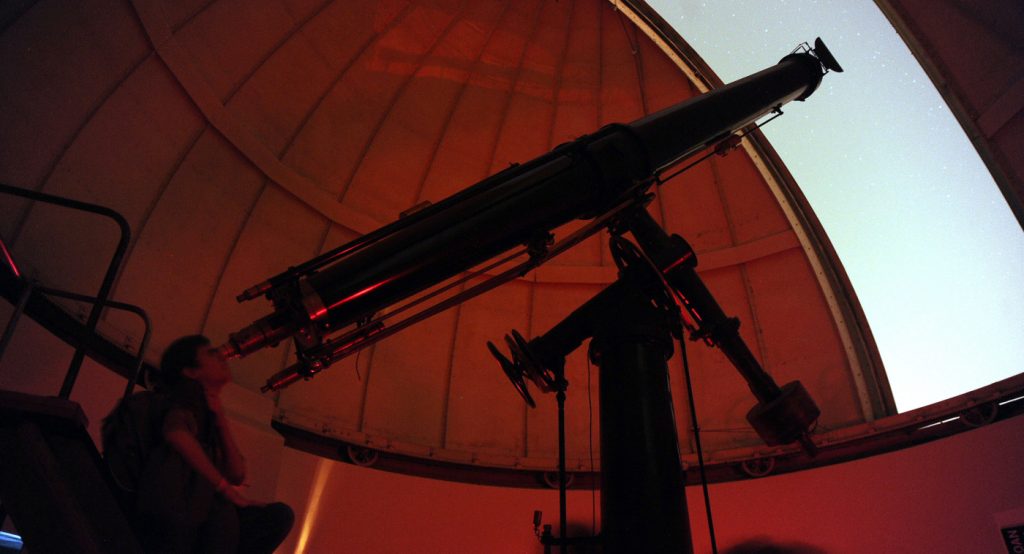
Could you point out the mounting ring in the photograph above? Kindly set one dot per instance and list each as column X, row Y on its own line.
column 551, row 479
column 363, row 457
column 980, row 415
column 758, row 467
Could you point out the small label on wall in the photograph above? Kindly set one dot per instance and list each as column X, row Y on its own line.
column 1014, row 539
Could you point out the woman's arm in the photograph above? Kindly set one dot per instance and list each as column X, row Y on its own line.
column 178, row 434
column 234, row 462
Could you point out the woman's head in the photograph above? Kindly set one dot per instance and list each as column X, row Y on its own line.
column 192, row 357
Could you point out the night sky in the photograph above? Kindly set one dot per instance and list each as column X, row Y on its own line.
column 933, row 251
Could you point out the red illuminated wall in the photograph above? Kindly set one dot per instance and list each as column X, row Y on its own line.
column 943, row 497
column 947, row 496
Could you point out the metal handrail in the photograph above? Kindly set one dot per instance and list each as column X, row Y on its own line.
column 101, row 299
column 12, row 323
column 137, row 374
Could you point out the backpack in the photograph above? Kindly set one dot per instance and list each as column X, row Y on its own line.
column 130, row 433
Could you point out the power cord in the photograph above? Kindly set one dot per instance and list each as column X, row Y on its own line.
column 696, row 436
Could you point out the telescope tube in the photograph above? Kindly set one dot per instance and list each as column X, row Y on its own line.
column 577, row 180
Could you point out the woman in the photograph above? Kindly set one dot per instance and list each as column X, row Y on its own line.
column 187, row 500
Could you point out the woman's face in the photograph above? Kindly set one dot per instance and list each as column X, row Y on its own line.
column 211, row 367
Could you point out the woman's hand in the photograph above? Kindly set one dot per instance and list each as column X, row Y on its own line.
column 234, row 496
column 213, row 401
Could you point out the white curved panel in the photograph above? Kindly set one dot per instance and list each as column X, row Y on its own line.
column 240, row 138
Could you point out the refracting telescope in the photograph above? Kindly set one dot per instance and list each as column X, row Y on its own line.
column 331, row 305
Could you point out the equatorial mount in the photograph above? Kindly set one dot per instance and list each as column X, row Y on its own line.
column 524, row 365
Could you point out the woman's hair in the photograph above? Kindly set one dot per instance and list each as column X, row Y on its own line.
column 180, row 354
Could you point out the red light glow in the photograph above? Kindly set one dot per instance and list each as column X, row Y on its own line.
column 354, row 296
column 9, row 259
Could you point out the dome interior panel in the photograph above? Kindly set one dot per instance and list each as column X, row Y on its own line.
column 180, row 12
column 100, row 48
column 302, row 10
column 994, row 61
column 579, row 81
column 466, row 143
column 680, row 396
column 693, row 209
column 370, row 108
column 621, row 94
column 551, row 304
column 14, row 209
column 230, row 39
column 547, row 44
column 219, row 188
column 336, row 396
column 794, row 324
column 663, row 83
column 474, row 111
column 253, row 370
column 798, row 338
column 579, row 400
column 482, row 405
column 586, row 254
column 1012, row 139
column 721, row 395
column 525, row 130
column 280, row 232
column 336, row 236
column 404, row 367
column 417, row 118
column 528, row 113
column 143, row 118
column 730, row 286
column 342, row 31
column 147, row 118
column 502, row 54
column 69, row 236
column 372, row 83
column 276, row 101
column 464, row 151
column 22, row 352
column 752, row 209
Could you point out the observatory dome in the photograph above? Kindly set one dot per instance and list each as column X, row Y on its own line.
column 239, row 139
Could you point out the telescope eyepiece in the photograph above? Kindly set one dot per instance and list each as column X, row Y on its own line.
column 825, row 56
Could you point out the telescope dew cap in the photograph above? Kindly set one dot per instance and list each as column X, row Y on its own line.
column 825, row 56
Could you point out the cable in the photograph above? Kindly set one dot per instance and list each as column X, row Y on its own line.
column 590, row 438
column 358, row 376
column 683, row 326
column 721, row 149
column 696, row 436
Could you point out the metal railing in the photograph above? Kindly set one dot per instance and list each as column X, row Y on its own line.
column 99, row 302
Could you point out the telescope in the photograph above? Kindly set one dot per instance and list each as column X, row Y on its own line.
column 356, row 291
column 597, row 177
